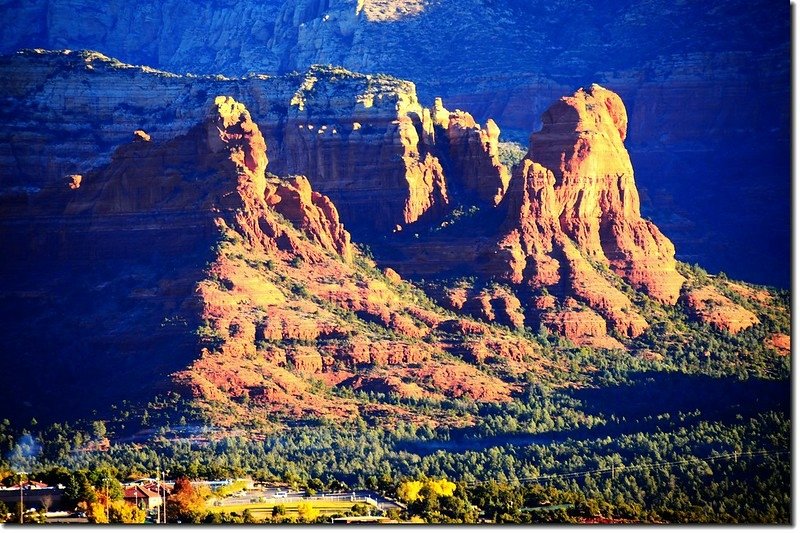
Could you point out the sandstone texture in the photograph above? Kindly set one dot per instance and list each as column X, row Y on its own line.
column 163, row 211
column 385, row 161
column 474, row 152
column 491, row 304
column 251, row 280
column 710, row 307
column 581, row 174
column 359, row 139
column 684, row 90
column 583, row 327
column 571, row 225
column 781, row 343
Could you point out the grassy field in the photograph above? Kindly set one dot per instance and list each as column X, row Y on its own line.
column 262, row 510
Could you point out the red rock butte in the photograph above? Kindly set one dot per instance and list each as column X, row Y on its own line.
column 579, row 173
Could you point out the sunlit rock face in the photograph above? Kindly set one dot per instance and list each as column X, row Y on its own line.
column 581, row 143
column 185, row 265
column 474, row 152
column 573, row 207
column 707, row 305
column 697, row 78
column 359, row 139
column 367, row 155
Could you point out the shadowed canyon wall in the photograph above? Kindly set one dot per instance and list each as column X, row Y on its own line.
column 706, row 83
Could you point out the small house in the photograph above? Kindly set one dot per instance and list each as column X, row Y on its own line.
column 142, row 497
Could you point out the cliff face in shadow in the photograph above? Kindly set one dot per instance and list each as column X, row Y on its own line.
column 183, row 266
column 393, row 168
column 174, row 261
column 698, row 79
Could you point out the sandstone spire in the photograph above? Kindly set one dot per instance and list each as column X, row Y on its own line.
column 597, row 204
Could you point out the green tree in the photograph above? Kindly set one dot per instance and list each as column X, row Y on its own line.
column 249, row 518
column 98, row 429
column 500, row 502
column 78, row 489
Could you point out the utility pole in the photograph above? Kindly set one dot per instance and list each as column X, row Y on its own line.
column 158, row 488
column 105, row 479
column 166, row 473
column 21, row 504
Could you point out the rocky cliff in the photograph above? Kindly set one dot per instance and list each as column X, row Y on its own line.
column 423, row 185
column 356, row 137
column 579, row 171
column 697, row 78
column 169, row 256
column 569, row 223
column 187, row 267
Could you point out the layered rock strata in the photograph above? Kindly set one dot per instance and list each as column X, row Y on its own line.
column 196, row 241
column 361, row 140
column 707, row 305
column 571, row 223
column 568, row 220
column 577, row 173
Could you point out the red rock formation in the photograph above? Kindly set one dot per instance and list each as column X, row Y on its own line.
column 474, row 153
column 465, row 381
column 583, row 327
column 780, row 342
column 272, row 330
column 229, row 128
column 525, row 252
column 391, row 385
column 371, row 152
column 363, row 350
column 392, row 275
column 523, row 353
column 572, row 217
column 491, row 304
column 581, row 143
column 312, row 212
column 572, row 211
column 544, row 302
column 282, row 323
column 587, row 284
column 535, row 251
column 73, row 181
column 756, row 296
column 707, row 305
column 305, row 359
column 463, row 327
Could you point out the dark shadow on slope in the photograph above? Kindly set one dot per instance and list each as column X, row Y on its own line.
column 654, row 402
column 99, row 324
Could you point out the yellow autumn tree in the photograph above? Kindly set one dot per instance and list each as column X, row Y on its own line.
column 306, row 512
column 96, row 513
column 408, row 491
column 120, row 512
column 187, row 502
column 442, row 487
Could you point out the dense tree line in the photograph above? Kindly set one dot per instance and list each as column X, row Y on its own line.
column 750, row 488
